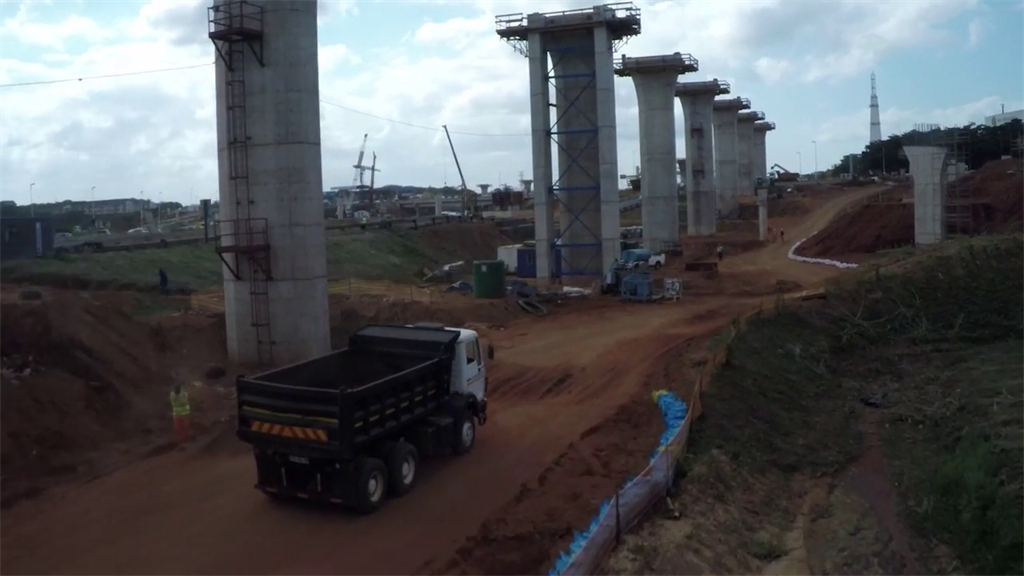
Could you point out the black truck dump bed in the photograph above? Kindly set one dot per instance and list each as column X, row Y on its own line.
column 327, row 406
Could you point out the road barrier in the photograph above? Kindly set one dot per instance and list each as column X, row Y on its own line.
column 793, row 256
column 212, row 302
column 388, row 290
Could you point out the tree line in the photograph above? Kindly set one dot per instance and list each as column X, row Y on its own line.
column 978, row 143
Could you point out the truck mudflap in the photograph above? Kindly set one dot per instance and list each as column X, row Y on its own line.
column 282, row 475
column 481, row 412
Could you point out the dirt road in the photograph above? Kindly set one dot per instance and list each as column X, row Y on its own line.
column 196, row 512
column 773, row 258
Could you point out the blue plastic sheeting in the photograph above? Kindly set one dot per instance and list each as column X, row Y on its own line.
column 583, row 553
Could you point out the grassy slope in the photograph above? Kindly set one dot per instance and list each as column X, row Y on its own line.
column 378, row 255
column 940, row 344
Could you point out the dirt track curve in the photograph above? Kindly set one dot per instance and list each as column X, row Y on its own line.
column 196, row 512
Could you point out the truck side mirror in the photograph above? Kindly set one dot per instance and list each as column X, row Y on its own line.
column 490, row 352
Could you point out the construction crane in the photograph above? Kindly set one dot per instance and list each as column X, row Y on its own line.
column 783, row 175
column 466, row 192
column 373, row 173
column 357, row 180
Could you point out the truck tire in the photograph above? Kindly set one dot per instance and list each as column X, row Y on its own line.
column 464, row 432
column 402, row 461
column 371, row 480
column 657, row 265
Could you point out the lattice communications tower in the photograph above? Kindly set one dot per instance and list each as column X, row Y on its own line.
column 876, row 119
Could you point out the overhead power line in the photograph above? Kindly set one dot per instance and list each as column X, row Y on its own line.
column 420, row 126
column 102, row 76
column 192, row 66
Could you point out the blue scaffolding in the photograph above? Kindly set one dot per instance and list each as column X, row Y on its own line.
column 622, row 20
column 591, row 188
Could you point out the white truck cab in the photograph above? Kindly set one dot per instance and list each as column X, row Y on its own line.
column 469, row 373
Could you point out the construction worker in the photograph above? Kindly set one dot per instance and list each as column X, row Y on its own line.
column 163, row 281
column 721, row 252
column 181, row 412
column 782, row 235
column 362, row 223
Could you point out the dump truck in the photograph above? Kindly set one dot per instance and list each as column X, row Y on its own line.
column 350, row 427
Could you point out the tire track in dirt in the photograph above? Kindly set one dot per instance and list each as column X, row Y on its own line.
column 178, row 514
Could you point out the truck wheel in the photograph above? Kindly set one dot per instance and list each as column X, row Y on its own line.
column 371, row 478
column 465, row 432
column 402, row 461
column 657, row 265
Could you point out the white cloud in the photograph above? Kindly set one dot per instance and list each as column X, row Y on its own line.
column 976, row 32
column 156, row 132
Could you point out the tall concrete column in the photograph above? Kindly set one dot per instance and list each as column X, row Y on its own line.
column 761, row 130
column 745, row 151
column 655, row 80
column 580, row 44
column 608, row 152
column 726, row 172
column 928, row 171
column 762, row 214
column 271, row 187
column 540, row 124
column 697, row 100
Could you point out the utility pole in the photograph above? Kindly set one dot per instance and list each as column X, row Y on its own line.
column 31, row 203
column 800, row 161
column 815, row 142
column 92, row 201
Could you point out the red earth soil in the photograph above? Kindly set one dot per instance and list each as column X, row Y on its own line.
column 997, row 206
column 85, row 385
column 571, row 417
column 452, row 242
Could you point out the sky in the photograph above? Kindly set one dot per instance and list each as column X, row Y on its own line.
column 399, row 70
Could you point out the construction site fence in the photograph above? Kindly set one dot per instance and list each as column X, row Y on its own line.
column 213, row 302
column 618, row 514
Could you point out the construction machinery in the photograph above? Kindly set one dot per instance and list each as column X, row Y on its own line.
column 780, row 174
column 357, row 180
column 468, row 197
column 350, row 427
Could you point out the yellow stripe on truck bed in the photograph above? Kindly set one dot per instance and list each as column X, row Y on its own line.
column 288, row 431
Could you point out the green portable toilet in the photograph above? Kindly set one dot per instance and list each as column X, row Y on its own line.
column 489, row 279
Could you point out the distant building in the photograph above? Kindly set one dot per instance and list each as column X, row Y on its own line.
column 1003, row 118
column 25, row 238
column 117, row 206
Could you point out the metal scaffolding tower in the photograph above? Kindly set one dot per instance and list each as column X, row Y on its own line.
column 243, row 241
column 579, row 70
column 960, row 200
